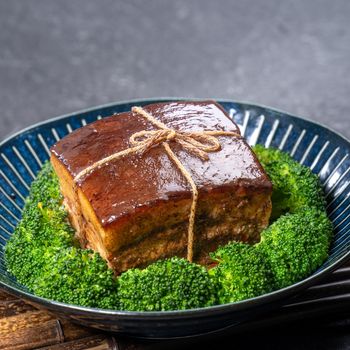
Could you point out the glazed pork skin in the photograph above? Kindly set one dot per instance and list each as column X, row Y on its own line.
column 135, row 210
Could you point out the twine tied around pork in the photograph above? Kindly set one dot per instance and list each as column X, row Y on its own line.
column 198, row 143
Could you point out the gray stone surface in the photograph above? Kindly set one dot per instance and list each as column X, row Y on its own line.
column 60, row 56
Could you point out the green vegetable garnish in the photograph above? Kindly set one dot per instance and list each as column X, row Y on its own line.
column 44, row 256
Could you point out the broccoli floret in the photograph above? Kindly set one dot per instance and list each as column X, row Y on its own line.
column 242, row 272
column 77, row 276
column 171, row 284
column 45, row 189
column 44, row 256
column 296, row 245
column 294, row 185
column 44, row 225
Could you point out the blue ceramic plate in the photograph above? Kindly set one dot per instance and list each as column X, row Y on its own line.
column 324, row 151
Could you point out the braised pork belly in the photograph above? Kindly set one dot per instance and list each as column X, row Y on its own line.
column 135, row 210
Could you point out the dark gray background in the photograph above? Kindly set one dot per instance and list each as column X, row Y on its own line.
column 60, row 56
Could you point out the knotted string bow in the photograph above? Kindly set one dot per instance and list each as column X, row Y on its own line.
column 198, row 144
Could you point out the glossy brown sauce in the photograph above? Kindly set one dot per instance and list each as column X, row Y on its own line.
column 135, row 182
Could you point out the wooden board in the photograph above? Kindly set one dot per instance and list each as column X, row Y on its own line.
column 23, row 327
